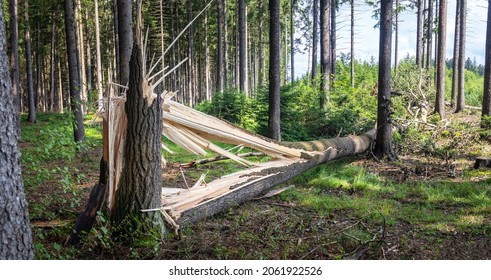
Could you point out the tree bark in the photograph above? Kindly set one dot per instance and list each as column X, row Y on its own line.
column 456, row 51
column 140, row 186
column 419, row 34
column 14, row 62
column 74, row 72
column 461, row 77
column 274, row 70
column 219, row 66
column 352, row 44
column 31, row 100
column 52, row 77
column 14, row 218
column 125, row 38
column 325, row 53
column 441, row 55
column 429, row 34
column 383, row 145
column 191, row 85
column 396, row 39
column 315, row 21
column 292, row 40
column 486, row 101
column 333, row 41
column 242, row 47
column 333, row 149
column 98, row 55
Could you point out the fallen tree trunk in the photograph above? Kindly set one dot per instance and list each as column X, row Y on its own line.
column 255, row 181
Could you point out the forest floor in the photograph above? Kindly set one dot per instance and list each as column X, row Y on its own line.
column 429, row 204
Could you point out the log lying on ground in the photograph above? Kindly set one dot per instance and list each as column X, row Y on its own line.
column 482, row 162
column 233, row 189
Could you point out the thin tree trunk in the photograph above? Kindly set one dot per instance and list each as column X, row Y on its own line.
column 396, row 39
column 461, row 78
column 14, row 217
column 419, row 34
column 242, row 47
column 74, row 72
column 98, row 55
column 88, row 68
column 352, row 44
column 333, row 41
column 456, row 52
column 325, row 53
column 191, row 86
column 225, row 47
column 429, row 34
column 292, row 40
column 383, row 145
column 261, row 46
column 60, row 90
column 314, row 38
column 81, row 58
column 207, row 60
column 274, row 70
column 31, row 101
column 440, row 68
column 14, row 63
column 486, row 101
column 52, row 67
column 219, row 66
column 162, row 45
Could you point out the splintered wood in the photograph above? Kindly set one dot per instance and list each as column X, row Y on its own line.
column 194, row 131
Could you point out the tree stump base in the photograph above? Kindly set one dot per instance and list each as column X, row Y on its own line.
column 482, row 162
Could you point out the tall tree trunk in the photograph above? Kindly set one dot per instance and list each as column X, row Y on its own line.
column 219, row 66
column 486, row 100
column 456, row 51
column 74, row 72
column 81, row 59
column 88, row 67
column 461, row 78
column 207, row 60
column 59, row 106
column 352, row 44
column 383, row 145
column 325, row 53
column 140, row 185
column 396, row 39
column 419, row 34
column 14, row 218
column 441, row 55
column 225, row 46
column 292, row 40
column 191, row 86
column 14, row 63
column 261, row 46
column 333, row 41
column 429, row 34
column 315, row 21
column 125, row 39
column 162, row 45
column 274, row 70
column 31, row 100
column 52, row 77
column 242, row 47
column 98, row 55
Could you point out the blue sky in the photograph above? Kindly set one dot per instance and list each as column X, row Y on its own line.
column 366, row 36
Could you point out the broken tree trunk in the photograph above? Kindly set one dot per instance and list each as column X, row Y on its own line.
column 239, row 187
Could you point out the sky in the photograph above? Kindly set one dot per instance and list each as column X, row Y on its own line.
column 367, row 37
